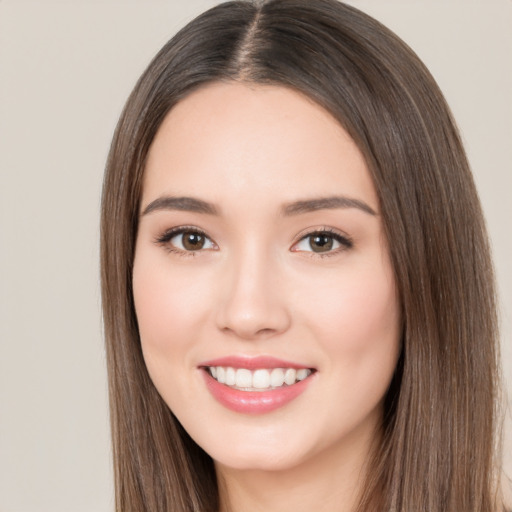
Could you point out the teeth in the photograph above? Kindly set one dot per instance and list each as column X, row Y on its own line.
column 261, row 379
column 230, row 376
column 302, row 374
column 221, row 374
column 243, row 378
column 290, row 375
column 277, row 377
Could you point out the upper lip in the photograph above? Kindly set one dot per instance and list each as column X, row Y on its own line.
column 253, row 362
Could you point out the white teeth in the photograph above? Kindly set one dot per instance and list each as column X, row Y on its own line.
column 290, row 375
column 221, row 375
column 230, row 376
column 302, row 374
column 243, row 378
column 277, row 377
column 259, row 379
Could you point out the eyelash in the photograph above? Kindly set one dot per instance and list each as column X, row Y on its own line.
column 168, row 235
column 345, row 242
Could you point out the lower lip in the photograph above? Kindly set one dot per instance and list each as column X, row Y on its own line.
column 254, row 402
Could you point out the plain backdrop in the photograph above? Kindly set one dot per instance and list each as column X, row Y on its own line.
column 66, row 68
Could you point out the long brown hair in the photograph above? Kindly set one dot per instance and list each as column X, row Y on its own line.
column 438, row 446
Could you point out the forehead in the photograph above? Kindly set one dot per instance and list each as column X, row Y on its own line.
column 253, row 138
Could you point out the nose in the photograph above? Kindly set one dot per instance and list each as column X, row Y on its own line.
column 252, row 302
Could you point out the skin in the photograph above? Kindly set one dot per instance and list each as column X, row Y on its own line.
column 259, row 288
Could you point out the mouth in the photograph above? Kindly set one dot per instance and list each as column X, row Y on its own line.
column 256, row 385
column 259, row 379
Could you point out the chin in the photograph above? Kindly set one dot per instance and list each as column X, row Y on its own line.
column 257, row 449
column 260, row 461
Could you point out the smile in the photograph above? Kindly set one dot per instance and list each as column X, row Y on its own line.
column 261, row 379
column 256, row 385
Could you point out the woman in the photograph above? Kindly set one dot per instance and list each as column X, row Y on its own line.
column 298, row 295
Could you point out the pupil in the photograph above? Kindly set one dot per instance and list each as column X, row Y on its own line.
column 193, row 241
column 321, row 243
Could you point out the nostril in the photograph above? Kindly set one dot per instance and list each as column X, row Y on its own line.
column 265, row 332
column 247, row 332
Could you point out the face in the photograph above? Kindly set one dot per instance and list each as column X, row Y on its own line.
column 263, row 289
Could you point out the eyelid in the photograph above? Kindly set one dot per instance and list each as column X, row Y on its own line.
column 164, row 239
column 343, row 239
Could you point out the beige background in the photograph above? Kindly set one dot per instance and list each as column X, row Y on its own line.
column 66, row 68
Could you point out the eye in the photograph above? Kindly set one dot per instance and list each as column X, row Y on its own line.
column 322, row 242
column 186, row 240
column 191, row 241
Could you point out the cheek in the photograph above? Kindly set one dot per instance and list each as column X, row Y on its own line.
column 170, row 307
column 357, row 325
column 171, row 311
column 356, row 317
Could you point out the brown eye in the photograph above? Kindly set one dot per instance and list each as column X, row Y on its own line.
column 193, row 241
column 187, row 240
column 321, row 242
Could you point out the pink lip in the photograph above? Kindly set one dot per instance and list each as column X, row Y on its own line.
column 253, row 402
column 252, row 363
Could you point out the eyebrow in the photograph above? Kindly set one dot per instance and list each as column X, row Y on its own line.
column 326, row 203
column 187, row 204
column 192, row 204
